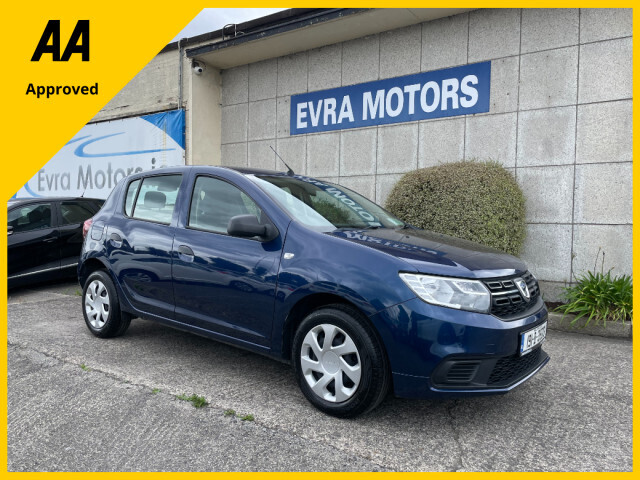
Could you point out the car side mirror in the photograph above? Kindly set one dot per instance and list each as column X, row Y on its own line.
column 249, row 226
column 9, row 230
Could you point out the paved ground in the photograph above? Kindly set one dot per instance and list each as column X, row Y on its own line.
column 574, row 415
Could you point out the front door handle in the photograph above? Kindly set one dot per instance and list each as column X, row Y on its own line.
column 49, row 239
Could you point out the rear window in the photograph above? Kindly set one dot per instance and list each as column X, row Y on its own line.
column 155, row 198
column 76, row 211
column 132, row 191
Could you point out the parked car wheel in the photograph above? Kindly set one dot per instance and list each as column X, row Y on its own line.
column 339, row 363
column 101, row 310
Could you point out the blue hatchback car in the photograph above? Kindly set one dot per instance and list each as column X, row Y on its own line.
column 314, row 274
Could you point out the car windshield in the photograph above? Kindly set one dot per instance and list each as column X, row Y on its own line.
column 324, row 206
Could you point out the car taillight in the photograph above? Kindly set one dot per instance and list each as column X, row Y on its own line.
column 86, row 226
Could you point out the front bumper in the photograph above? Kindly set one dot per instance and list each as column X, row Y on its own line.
column 442, row 352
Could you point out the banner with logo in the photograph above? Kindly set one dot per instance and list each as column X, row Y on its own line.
column 101, row 154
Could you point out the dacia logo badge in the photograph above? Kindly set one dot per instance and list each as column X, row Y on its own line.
column 522, row 287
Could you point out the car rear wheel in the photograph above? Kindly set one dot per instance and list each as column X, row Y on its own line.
column 101, row 307
column 340, row 364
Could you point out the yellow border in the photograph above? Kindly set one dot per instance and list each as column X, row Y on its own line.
column 125, row 35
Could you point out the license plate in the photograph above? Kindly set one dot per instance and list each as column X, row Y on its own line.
column 531, row 338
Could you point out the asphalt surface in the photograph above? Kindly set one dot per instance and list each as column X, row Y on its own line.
column 79, row 403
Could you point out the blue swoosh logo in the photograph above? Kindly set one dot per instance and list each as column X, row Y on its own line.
column 31, row 192
column 74, row 140
column 79, row 151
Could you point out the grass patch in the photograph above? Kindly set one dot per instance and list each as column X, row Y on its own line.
column 230, row 412
column 84, row 367
column 155, row 390
column 196, row 400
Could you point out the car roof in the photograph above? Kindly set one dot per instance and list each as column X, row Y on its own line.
column 255, row 171
column 179, row 169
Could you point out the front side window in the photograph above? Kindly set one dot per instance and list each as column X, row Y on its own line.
column 30, row 217
column 156, row 198
column 214, row 202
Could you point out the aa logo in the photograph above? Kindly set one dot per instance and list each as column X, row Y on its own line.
column 50, row 42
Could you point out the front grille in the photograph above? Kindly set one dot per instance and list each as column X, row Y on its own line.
column 506, row 299
column 508, row 369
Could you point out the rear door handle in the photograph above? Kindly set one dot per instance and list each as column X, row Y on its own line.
column 49, row 239
column 116, row 240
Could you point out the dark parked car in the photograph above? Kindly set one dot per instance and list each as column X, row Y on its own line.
column 45, row 237
column 315, row 274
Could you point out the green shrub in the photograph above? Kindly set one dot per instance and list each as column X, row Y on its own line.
column 599, row 297
column 477, row 201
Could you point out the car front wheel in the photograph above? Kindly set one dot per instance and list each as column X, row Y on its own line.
column 101, row 307
column 339, row 363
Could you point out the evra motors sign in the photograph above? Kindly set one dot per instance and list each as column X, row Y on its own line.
column 442, row 93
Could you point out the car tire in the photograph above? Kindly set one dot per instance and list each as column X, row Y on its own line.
column 101, row 307
column 339, row 362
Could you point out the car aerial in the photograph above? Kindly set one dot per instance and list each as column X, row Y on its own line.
column 309, row 272
column 45, row 237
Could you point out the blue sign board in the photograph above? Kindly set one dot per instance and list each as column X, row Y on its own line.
column 442, row 93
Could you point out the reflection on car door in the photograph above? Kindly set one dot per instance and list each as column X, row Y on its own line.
column 139, row 247
column 33, row 242
column 222, row 283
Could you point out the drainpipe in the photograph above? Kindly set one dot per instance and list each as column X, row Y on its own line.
column 180, row 50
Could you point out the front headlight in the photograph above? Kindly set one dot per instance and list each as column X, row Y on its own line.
column 450, row 292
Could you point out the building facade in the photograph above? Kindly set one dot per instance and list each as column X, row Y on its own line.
column 559, row 115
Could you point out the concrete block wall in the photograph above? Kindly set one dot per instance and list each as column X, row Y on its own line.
column 155, row 88
column 560, row 121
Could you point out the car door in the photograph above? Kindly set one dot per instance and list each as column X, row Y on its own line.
column 139, row 242
column 33, row 242
column 73, row 213
column 222, row 283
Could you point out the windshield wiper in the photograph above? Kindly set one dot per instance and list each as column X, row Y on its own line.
column 406, row 226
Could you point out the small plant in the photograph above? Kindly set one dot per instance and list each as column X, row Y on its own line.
column 196, row 400
column 84, row 367
column 247, row 418
column 600, row 296
column 78, row 293
column 229, row 412
column 155, row 391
